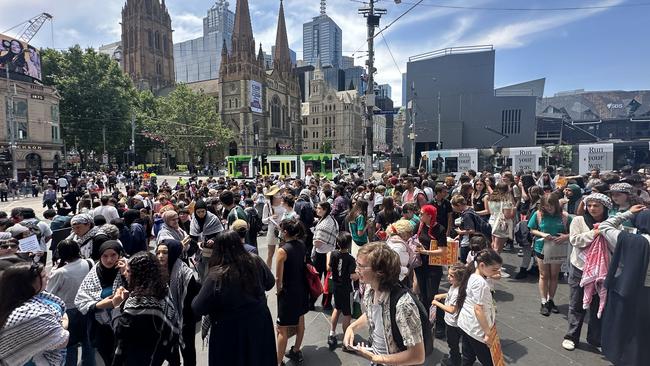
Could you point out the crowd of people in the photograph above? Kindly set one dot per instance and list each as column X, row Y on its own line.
column 130, row 268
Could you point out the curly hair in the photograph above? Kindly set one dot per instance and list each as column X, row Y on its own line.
column 146, row 276
column 384, row 262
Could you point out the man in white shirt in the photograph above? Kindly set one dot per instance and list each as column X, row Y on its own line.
column 62, row 183
column 106, row 209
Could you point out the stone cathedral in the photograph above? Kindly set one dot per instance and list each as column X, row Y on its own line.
column 262, row 107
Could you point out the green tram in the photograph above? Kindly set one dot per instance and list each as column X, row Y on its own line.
column 296, row 166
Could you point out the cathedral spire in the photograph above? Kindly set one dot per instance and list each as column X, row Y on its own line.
column 282, row 58
column 243, row 44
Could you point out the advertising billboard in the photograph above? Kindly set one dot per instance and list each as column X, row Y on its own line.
column 255, row 97
column 525, row 159
column 20, row 57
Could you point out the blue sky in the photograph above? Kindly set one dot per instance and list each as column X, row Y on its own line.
column 593, row 49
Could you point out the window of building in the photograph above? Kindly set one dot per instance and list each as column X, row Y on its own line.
column 55, row 133
column 511, row 121
column 150, row 38
column 157, row 39
column 276, row 112
column 165, row 45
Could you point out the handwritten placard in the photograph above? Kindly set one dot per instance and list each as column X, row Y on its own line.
column 29, row 244
column 451, row 257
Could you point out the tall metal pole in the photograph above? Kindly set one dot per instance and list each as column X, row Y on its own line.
column 413, row 114
column 372, row 20
column 438, row 145
column 12, row 124
column 133, row 139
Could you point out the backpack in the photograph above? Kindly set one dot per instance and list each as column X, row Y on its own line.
column 340, row 220
column 480, row 225
column 427, row 328
column 33, row 229
column 254, row 220
column 523, row 237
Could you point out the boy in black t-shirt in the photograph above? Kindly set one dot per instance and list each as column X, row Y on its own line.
column 342, row 266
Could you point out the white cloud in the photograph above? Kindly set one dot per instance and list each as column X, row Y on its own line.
column 186, row 26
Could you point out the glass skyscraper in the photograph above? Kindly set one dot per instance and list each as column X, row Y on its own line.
column 322, row 38
column 199, row 59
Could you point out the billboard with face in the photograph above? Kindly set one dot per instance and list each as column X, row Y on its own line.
column 19, row 57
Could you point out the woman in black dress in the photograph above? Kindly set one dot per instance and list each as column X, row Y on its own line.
column 291, row 287
column 233, row 295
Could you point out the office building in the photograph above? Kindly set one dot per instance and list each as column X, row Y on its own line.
column 457, row 84
column 322, row 40
column 199, row 59
column 348, row 62
column 384, row 90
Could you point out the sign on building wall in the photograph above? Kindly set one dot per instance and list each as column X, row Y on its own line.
column 255, row 97
column 596, row 156
column 525, row 158
column 20, row 57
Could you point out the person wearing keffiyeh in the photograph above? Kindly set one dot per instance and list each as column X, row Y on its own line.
column 183, row 287
column 32, row 321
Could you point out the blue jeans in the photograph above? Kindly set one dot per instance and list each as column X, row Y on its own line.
column 78, row 328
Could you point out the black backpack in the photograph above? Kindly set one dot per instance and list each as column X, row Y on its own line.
column 254, row 220
column 480, row 225
column 427, row 328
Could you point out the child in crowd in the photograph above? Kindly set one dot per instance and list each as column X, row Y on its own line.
column 455, row 276
column 476, row 244
column 342, row 266
column 475, row 307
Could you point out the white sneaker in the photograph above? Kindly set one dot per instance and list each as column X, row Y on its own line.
column 504, row 274
column 568, row 345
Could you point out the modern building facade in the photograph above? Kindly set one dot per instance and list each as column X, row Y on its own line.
column 456, row 87
column 384, row 91
column 261, row 106
column 379, row 144
column 322, row 39
column 147, row 44
column 37, row 130
column 386, row 107
column 331, row 120
column 348, row 62
column 582, row 117
column 199, row 59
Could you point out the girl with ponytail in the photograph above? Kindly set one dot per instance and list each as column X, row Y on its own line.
column 475, row 308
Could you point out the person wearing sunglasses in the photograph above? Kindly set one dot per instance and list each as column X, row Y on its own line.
column 8, row 245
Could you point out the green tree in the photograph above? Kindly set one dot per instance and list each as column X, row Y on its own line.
column 186, row 120
column 326, row 147
column 96, row 100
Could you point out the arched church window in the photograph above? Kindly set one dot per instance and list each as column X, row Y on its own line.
column 276, row 112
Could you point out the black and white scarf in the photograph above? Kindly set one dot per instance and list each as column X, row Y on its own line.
column 34, row 332
column 179, row 279
column 90, row 292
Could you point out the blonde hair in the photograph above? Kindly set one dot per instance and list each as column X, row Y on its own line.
column 400, row 227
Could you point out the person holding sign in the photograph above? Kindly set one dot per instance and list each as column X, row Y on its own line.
column 475, row 308
column 432, row 240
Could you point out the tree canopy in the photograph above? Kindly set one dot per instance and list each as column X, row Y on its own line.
column 96, row 95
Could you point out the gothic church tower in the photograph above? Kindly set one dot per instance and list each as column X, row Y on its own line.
column 147, row 45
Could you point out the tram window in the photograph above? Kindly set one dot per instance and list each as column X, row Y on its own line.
column 275, row 166
column 293, row 167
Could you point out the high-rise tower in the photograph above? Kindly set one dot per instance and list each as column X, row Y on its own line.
column 322, row 39
column 147, row 44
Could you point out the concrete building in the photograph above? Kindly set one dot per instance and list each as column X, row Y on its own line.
column 582, row 117
column 379, row 144
column 322, row 40
column 147, row 44
column 355, row 79
column 199, row 59
column 385, row 105
column 399, row 124
column 113, row 50
column 457, row 84
column 37, row 130
column 261, row 106
column 331, row 119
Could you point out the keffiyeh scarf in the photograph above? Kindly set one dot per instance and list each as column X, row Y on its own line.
column 179, row 279
column 34, row 332
column 90, row 292
column 85, row 241
column 168, row 233
column 211, row 226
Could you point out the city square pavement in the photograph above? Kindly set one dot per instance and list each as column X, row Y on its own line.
column 527, row 337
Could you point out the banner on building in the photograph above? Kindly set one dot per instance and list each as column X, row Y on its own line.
column 596, row 156
column 255, row 97
column 20, row 57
